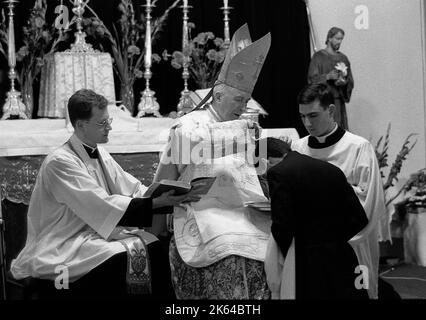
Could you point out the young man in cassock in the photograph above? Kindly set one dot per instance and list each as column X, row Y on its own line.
column 356, row 157
column 84, row 215
column 325, row 263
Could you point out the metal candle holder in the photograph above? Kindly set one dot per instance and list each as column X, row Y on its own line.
column 226, row 11
column 148, row 103
column 186, row 104
column 14, row 105
column 80, row 45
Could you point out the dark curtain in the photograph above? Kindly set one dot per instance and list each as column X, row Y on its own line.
column 282, row 76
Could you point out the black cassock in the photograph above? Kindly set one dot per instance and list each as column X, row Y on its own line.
column 312, row 201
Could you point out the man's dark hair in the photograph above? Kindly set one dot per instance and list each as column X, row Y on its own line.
column 316, row 91
column 332, row 32
column 275, row 147
column 81, row 103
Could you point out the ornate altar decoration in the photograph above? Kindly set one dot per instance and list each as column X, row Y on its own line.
column 185, row 103
column 148, row 103
column 76, row 68
column 128, row 44
column 13, row 106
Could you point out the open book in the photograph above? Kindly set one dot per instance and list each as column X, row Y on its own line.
column 199, row 185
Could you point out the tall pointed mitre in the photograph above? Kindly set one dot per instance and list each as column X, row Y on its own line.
column 244, row 60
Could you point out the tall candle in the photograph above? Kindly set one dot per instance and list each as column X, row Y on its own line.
column 185, row 3
column 225, row 3
column 148, row 2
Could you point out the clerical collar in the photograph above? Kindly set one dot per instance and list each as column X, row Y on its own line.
column 327, row 140
column 92, row 152
column 322, row 138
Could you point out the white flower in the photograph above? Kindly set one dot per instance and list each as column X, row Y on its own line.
column 341, row 66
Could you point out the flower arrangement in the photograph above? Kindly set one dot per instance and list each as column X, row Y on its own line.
column 382, row 156
column 3, row 35
column 127, row 43
column 205, row 54
column 342, row 68
column 342, row 71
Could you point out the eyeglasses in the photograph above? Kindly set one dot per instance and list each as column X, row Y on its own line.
column 105, row 123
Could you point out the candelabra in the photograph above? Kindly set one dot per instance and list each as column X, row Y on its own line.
column 226, row 11
column 14, row 105
column 186, row 104
column 148, row 103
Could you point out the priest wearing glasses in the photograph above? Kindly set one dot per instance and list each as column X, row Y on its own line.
column 85, row 218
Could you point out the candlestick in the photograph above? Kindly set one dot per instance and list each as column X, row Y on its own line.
column 226, row 35
column 14, row 105
column 185, row 104
column 148, row 103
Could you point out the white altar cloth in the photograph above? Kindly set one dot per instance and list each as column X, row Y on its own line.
column 41, row 136
column 66, row 72
column 128, row 134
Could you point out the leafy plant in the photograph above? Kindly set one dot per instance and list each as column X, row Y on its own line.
column 3, row 35
column 205, row 54
column 395, row 169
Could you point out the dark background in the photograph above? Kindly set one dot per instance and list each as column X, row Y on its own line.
column 282, row 76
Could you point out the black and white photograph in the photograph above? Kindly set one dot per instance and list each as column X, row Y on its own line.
column 213, row 157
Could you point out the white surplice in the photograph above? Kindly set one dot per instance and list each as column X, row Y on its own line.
column 356, row 157
column 218, row 225
column 75, row 206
